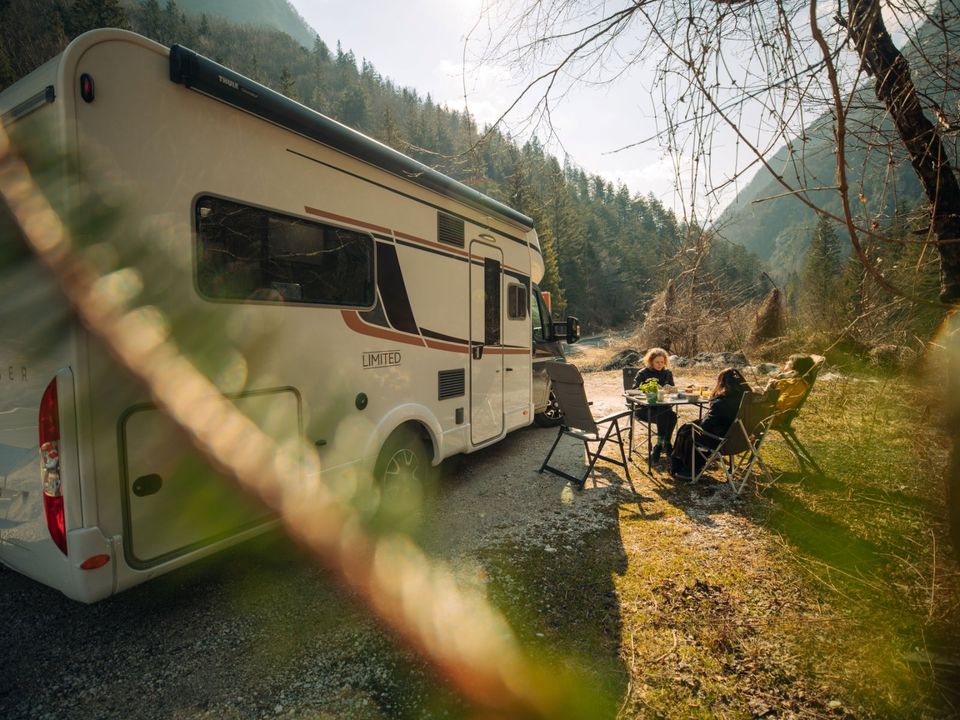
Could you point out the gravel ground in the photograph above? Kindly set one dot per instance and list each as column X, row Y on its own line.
column 261, row 632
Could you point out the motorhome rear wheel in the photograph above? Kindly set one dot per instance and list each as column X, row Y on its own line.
column 404, row 482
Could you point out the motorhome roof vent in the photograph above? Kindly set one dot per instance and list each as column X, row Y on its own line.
column 450, row 229
column 451, row 383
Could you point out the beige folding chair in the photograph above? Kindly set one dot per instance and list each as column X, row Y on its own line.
column 783, row 421
column 742, row 442
column 578, row 422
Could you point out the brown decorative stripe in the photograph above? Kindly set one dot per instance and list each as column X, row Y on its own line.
column 436, row 345
column 348, row 220
column 446, row 248
column 355, row 323
column 505, row 351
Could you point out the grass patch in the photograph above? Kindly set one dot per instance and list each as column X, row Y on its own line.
column 832, row 595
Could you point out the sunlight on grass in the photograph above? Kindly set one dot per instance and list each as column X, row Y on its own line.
column 817, row 595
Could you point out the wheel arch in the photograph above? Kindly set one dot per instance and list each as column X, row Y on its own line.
column 408, row 418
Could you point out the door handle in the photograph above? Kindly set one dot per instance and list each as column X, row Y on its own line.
column 477, row 351
column 509, row 369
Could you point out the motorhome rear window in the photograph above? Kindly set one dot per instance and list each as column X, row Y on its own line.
column 248, row 253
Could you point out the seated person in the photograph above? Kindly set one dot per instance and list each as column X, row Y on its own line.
column 791, row 384
column 655, row 367
column 724, row 405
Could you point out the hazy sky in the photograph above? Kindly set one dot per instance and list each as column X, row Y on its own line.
column 420, row 44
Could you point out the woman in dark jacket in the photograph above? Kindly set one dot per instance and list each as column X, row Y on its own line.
column 664, row 416
column 724, row 406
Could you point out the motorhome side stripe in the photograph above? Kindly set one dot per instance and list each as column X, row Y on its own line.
column 512, row 238
column 350, row 221
column 355, row 322
column 434, row 345
column 445, row 248
column 414, row 241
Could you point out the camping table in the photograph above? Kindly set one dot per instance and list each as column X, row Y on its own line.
column 635, row 401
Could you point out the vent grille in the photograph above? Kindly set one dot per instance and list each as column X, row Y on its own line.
column 450, row 230
column 451, row 383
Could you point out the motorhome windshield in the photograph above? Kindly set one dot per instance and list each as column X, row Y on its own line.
column 542, row 327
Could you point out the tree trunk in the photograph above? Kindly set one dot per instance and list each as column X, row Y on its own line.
column 896, row 90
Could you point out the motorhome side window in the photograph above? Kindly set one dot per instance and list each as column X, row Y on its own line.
column 247, row 253
column 516, row 302
column 491, row 306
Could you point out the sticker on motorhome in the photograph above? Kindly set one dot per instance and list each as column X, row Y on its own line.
column 380, row 359
column 13, row 373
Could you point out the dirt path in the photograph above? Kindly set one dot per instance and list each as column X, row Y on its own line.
column 497, row 495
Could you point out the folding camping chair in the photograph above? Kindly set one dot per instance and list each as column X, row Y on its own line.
column 783, row 421
column 641, row 415
column 578, row 422
column 742, row 442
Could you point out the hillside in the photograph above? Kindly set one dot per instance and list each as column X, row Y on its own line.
column 778, row 230
column 278, row 14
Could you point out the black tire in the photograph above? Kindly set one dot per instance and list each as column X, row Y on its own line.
column 404, row 482
column 552, row 416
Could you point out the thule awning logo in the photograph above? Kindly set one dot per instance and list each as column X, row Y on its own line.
column 228, row 82
column 380, row 359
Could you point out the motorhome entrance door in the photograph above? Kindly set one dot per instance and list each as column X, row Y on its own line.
column 486, row 343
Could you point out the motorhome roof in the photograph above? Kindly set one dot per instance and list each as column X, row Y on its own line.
column 204, row 75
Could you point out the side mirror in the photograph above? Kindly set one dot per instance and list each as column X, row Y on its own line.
column 569, row 331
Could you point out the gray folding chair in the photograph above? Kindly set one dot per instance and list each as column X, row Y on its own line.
column 741, row 443
column 629, row 376
column 579, row 423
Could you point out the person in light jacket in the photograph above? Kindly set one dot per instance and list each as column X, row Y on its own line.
column 791, row 384
column 655, row 368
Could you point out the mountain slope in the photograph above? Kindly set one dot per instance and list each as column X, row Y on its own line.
column 881, row 178
column 278, row 14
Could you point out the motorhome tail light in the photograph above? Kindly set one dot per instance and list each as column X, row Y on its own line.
column 86, row 88
column 50, row 466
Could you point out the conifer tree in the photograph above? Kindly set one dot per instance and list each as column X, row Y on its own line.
column 353, row 107
column 819, row 282
column 150, row 19
column 87, row 15
column 170, row 23
column 287, row 86
column 551, row 275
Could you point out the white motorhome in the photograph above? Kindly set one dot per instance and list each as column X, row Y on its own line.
column 385, row 312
